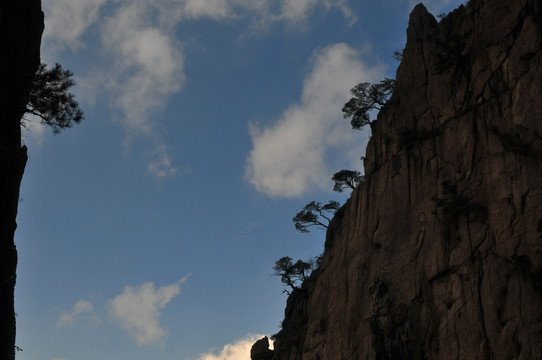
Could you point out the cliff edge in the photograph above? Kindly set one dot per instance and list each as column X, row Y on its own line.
column 21, row 26
column 438, row 254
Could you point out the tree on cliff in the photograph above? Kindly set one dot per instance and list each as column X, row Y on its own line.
column 27, row 88
column 345, row 179
column 291, row 273
column 367, row 97
column 315, row 214
column 46, row 95
column 51, row 99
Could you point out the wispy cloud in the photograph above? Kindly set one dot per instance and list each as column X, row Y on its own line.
column 138, row 309
column 83, row 310
column 245, row 230
column 238, row 350
column 299, row 11
column 67, row 20
column 145, row 63
column 214, row 9
column 261, row 11
column 289, row 157
column 148, row 67
column 161, row 166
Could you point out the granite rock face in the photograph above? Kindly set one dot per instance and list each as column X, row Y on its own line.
column 21, row 26
column 438, row 254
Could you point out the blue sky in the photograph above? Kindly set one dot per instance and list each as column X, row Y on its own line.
column 149, row 230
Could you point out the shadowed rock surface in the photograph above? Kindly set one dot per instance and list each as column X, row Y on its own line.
column 438, row 253
column 260, row 350
column 21, row 26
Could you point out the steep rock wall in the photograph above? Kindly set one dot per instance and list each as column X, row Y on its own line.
column 438, row 254
column 21, row 26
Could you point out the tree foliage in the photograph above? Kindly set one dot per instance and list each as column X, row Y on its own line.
column 367, row 97
column 347, row 179
column 291, row 274
column 315, row 214
column 51, row 99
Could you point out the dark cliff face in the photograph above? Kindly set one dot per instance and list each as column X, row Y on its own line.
column 21, row 26
column 438, row 254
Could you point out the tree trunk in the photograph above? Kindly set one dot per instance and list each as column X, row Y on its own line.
column 21, row 26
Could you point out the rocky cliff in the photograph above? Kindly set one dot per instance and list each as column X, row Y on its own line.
column 438, row 254
column 21, row 26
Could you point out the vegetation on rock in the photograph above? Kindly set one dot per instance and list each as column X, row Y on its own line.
column 51, row 100
column 315, row 214
column 346, row 179
column 367, row 97
column 292, row 274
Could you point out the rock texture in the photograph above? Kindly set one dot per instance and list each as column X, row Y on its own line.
column 438, row 254
column 21, row 26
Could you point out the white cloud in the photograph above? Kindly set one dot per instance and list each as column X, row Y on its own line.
column 143, row 58
column 295, row 10
column 296, row 13
column 289, row 157
column 67, row 20
column 148, row 64
column 343, row 6
column 238, row 350
column 148, row 58
column 214, row 9
column 138, row 308
column 162, row 166
column 148, row 67
column 82, row 310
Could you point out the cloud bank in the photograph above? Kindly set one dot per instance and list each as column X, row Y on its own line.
column 288, row 157
column 238, row 350
column 138, row 308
